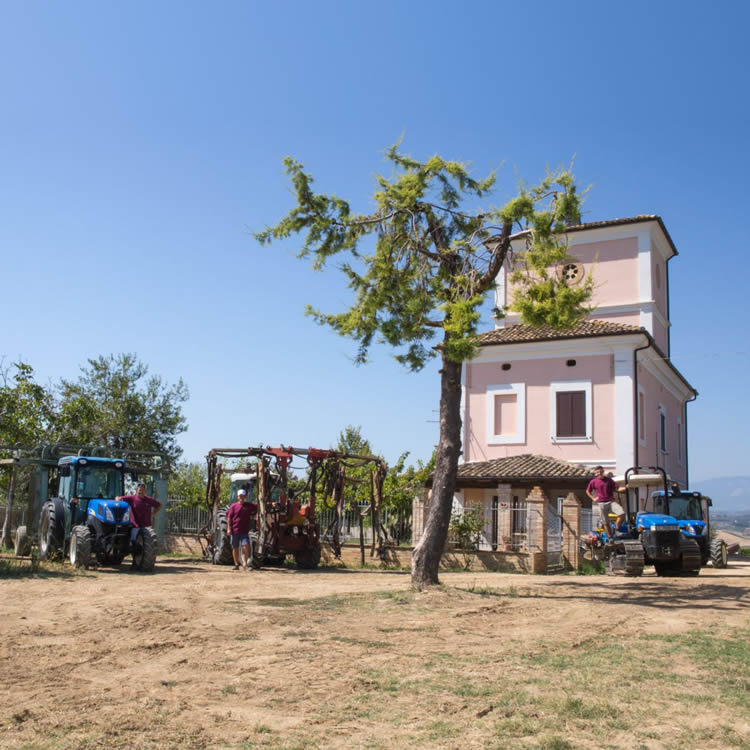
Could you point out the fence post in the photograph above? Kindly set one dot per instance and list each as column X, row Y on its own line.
column 571, row 512
column 536, row 529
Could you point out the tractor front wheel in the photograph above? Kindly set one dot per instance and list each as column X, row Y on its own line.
column 80, row 546
column 144, row 550
column 719, row 554
column 308, row 559
column 222, row 542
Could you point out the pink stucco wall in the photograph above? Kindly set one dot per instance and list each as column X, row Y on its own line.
column 614, row 264
column 537, row 374
column 649, row 454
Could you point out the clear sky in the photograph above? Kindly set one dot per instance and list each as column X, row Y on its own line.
column 141, row 142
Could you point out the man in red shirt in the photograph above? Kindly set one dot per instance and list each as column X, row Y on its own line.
column 239, row 519
column 140, row 509
column 601, row 490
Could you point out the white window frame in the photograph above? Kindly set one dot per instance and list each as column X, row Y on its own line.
column 570, row 385
column 519, row 436
column 663, row 439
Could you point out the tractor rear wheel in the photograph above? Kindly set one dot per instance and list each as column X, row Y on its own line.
column 308, row 559
column 144, row 550
column 80, row 546
column 222, row 542
column 51, row 531
column 22, row 545
column 719, row 556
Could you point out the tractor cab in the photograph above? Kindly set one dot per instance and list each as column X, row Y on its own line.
column 89, row 486
column 690, row 510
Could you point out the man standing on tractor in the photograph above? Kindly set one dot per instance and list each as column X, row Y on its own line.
column 238, row 527
column 140, row 509
column 601, row 490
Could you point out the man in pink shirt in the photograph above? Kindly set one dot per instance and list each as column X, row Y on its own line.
column 140, row 509
column 239, row 520
column 601, row 490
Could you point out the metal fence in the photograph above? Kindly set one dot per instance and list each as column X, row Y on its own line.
column 589, row 520
column 184, row 519
column 397, row 524
column 504, row 527
column 17, row 516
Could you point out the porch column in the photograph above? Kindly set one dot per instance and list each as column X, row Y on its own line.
column 571, row 531
column 536, row 529
column 504, row 521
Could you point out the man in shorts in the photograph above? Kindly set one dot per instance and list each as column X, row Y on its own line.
column 601, row 490
column 239, row 518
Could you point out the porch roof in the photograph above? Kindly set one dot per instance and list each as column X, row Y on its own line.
column 523, row 469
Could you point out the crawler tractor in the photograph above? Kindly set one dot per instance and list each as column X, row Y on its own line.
column 648, row 537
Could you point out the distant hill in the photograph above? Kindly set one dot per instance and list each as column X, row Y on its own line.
column 728, row 493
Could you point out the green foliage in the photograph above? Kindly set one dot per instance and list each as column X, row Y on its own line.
column 26, row 408
column 116, row 403
column 466, row 528
column 432, row 261
column 188, row 480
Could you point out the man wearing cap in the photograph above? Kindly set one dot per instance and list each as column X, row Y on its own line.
column 239, row 518
column 601, row 490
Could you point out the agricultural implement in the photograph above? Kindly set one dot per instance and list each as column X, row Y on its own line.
column 287, row 521
column 647, row 537
column 73, row 505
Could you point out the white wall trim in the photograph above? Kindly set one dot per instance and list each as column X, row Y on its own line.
column 625, row 409
column 519, row 436
column 464, row 420
column 642, row 438
column 561, row 348
column 557, row 386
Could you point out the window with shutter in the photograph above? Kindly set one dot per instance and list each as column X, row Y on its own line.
column 571, row 414
column 571, row 411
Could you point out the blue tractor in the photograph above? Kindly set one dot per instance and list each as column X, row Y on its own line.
column 649, row 535
column 690, row 509
column 86, row 521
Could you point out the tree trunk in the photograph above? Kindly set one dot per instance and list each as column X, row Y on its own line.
column 5, row 540
column 425, row 560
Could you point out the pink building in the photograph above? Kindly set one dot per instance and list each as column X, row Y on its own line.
column 605, row 392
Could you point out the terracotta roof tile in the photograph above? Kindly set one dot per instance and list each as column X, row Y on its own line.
column 523, row 467
column 515, row 334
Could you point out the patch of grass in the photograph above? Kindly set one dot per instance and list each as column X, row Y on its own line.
column 591, row 568
column 11, row 567
column 263, row 729
column 555, row 742
column 229, row 690
column 360, row 642
column 486, row 591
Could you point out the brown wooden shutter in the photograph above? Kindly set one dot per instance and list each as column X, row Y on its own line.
column 571, row 414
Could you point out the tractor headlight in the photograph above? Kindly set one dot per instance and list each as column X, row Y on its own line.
column 691, row 530
column 126, row 516
column 108, row 514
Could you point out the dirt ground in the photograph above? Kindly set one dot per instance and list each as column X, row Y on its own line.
column 195, row 656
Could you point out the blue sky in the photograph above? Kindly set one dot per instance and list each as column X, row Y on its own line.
column 141, row 142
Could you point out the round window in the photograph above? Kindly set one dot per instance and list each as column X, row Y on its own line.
column 571, row 272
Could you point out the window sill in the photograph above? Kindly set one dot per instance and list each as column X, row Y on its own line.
column 506, row 440
column 584, row 439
